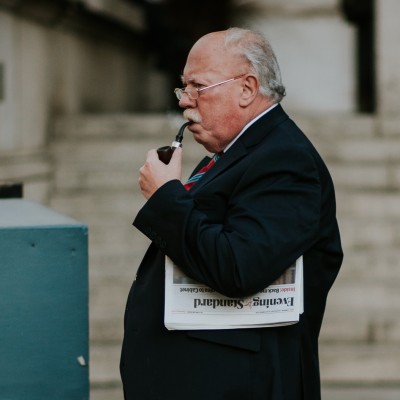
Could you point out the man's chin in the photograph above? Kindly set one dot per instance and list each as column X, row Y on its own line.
column 197, row 131
column 198, row 137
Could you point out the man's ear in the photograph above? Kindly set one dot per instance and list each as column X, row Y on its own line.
column 250, row 88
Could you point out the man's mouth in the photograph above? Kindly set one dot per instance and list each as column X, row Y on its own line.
column 192, row 116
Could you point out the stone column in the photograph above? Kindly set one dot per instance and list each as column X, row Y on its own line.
column 388, row 57
column 7, row 69
column 23, row 104
column 315, row 48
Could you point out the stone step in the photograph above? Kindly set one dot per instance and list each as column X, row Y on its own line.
column 361, row 176
column 116, row 164
column 377, row 264
column 362, row 312
column 94, row 207
column 106, row 151
column 359, row 313
column 369, row 205
column 145, row 125
column 361, row 233
column 24, row 164
column 341, row 364
column 133, row 126
column 110, row 164
column 372, row 150
column 32, row 168
column 329, row 391
column 366, row 219
column 94, row 176
column 363, row 305
column 344, row 138
column 148, row 125
column 353, row 363
column 330, row 128
column 357, row 310
column 98, row 158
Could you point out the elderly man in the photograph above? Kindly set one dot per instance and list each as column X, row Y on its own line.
column 267, row 200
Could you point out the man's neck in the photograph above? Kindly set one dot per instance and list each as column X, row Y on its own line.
column 251, row 122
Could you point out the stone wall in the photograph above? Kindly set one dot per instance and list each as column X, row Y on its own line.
column 51, row 66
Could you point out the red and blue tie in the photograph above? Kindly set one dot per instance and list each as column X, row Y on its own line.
column 193, row 179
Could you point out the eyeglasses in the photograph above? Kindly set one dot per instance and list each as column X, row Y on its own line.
column 194, row 93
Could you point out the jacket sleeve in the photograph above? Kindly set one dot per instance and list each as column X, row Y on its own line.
column 238, row 238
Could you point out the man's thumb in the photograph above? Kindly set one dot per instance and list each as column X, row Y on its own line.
column 176, row 158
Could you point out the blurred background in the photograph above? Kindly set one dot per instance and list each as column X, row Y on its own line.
column 86, row 88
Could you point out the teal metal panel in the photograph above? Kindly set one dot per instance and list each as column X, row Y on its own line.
column 44, row 340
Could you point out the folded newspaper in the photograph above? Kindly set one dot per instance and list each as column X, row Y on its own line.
column 192, row 305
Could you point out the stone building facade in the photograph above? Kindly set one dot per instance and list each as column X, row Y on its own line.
column 82, row 100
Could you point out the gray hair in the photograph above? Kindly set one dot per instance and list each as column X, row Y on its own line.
column 258, row 52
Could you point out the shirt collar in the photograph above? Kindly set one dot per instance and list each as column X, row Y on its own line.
column 248, row 125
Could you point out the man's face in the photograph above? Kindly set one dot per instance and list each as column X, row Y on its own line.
column 215, row 115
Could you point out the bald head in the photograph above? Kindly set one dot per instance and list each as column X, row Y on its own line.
column 212, row 52
column 249, row 48
column 224, row 85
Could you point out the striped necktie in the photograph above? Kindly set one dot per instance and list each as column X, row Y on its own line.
column 193, row 179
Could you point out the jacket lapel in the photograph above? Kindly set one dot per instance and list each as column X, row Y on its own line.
column 251, row 137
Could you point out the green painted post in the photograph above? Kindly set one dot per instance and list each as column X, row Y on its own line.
column 44, row 340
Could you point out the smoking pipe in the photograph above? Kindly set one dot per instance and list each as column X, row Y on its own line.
column 165, row 152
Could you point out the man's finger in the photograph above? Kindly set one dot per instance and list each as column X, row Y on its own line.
column 176, row 156
column 152, row 155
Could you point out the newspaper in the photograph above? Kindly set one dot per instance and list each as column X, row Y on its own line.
column 192, row 305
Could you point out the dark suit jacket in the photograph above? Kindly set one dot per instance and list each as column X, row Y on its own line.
column 268, row 200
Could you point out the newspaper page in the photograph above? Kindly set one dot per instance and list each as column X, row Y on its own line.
column 191, row 305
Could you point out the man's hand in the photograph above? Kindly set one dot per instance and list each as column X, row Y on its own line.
column 155, row 173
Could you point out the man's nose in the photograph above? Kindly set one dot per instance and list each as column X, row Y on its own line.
column 186, row 101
